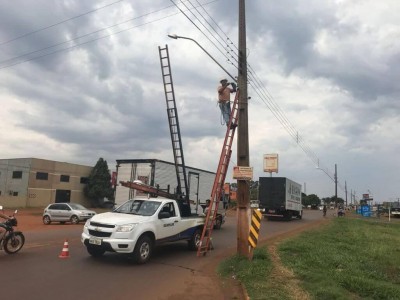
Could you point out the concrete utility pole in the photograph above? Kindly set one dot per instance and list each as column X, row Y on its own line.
column 243, row 159
column 336, row 185
column 345, row 189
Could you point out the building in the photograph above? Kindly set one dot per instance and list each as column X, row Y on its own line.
column 33, row 182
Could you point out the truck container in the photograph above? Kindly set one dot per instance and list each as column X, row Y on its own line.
column 280, row 197
column 162, row 174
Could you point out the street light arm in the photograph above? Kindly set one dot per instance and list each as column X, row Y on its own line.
column 174, row 36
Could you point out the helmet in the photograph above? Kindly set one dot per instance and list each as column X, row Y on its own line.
column 223, row 79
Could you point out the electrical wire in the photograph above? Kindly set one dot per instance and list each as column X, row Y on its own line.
column 8, row 63
column 58, row 23
column 267, row 99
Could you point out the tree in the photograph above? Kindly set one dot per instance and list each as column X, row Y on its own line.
column 311, row 199
column 99, row 184
column 253, row 190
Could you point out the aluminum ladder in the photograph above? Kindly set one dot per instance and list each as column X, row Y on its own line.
column 173, row 122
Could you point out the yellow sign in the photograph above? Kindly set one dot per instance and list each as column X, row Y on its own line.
column 254, row 228
column 243, row 173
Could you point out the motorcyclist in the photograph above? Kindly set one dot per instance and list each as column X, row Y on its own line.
column 5, row 216
column 340, row 212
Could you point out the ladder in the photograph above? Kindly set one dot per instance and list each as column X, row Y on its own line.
column 218, row 187
column 173, row 122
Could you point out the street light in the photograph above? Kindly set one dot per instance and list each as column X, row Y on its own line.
column 334, row 179
column 175, row 37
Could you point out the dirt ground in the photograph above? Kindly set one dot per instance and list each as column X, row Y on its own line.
column 30, row 220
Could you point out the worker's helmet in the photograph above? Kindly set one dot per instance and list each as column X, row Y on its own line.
column 223, row 79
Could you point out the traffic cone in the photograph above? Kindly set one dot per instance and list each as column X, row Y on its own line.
column 65, row 252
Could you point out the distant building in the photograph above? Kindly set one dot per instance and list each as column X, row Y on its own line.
column 33, row 182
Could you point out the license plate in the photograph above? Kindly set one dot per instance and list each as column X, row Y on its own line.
column 95, row 241
column 271, row 211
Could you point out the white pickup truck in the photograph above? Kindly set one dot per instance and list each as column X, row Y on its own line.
column 138, row 225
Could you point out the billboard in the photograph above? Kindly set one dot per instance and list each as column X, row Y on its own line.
column 271, row 163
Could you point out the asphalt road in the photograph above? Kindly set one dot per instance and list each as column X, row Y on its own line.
column 37, row 272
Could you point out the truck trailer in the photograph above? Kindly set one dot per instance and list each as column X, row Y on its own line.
column 162, row 175
column 280, row 197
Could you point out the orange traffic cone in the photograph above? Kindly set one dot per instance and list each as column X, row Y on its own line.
column 65, row 252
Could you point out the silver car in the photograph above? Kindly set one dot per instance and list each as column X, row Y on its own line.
column 66, row 212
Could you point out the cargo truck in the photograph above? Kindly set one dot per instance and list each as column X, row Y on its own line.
column 280, row 197
column 162, row 175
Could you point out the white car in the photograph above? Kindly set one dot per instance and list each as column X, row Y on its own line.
column 66, row 212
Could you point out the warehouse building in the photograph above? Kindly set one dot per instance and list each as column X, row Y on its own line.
column 33, row 182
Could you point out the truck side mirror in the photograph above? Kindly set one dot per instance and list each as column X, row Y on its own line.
column 164, row 215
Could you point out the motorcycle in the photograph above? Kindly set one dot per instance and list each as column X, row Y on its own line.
column 11, row 241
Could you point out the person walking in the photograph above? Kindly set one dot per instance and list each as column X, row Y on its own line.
column 324, row 210
column 224, row 97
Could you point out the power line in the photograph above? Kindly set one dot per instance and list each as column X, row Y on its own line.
column 267, row 98
column 89, row 41
column 56, row 24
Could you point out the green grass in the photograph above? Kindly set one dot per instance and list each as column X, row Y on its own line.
column 346, row 259
column 253, row 274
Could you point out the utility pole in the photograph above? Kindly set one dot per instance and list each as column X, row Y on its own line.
column 345, row 190
column 243, row 196
column 336, row 185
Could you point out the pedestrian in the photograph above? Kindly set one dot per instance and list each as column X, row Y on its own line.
column 324, row 210
column 224, row 97
column 207, row 207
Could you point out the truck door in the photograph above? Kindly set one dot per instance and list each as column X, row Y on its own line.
column 169, row 228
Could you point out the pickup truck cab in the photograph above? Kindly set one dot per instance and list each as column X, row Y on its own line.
column 138, row 225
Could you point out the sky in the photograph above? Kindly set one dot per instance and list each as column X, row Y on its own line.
column 80, row 80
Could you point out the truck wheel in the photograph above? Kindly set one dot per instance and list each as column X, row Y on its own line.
column 300, row 215
column 95, row 251
column 288, row 215
column 218, row 222
column 194, row 242
column 143, row 250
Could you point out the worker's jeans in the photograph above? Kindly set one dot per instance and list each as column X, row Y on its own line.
column 225, row 110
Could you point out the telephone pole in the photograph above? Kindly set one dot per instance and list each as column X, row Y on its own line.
column 243, row 197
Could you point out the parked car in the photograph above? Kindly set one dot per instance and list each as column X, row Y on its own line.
column 66, row 212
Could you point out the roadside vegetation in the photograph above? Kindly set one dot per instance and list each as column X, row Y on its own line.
column 347, row 258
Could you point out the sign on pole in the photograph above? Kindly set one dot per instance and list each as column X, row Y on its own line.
column 243, row 173
column 271, row 163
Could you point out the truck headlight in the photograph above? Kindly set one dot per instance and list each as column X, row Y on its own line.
column 126, row 228
column 87, row 223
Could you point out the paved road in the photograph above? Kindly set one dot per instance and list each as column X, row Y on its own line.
column 173, row 273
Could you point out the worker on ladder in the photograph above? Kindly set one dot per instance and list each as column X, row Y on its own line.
column 224, row 97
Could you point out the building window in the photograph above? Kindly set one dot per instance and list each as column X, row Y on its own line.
column 84, row 180
column 64, row 178
column 42, row 176
column 17, row 174
column 15, row 193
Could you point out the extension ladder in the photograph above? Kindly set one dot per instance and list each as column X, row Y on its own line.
column 218, row 187
column 173, row 122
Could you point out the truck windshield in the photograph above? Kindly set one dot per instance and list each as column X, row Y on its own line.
column 139, row 207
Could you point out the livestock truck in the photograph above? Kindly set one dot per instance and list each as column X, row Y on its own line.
column 280, row 197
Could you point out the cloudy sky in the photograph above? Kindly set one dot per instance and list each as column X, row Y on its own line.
column 81, row 80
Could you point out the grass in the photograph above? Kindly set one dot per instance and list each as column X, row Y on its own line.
column 253, row 275
column 346, row 259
